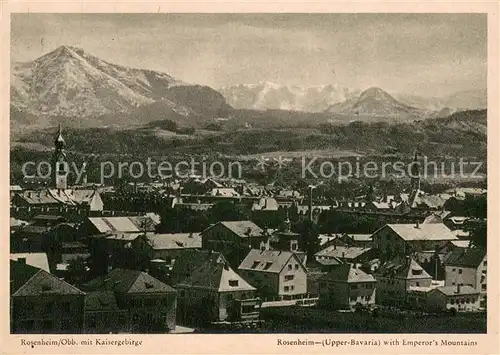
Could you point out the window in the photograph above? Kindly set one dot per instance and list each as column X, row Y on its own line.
column 294, row 246
column 292, row 288
column 289, row 266
column 417, row 283
column 288, row 277
column 483, row 287
column 459, row 271
column 268, row 265
column 287, row 288
column 296, row 266
column 454, row 269
column 452, row 301
column 233, row 283
column 182, row 293
column 255, row 263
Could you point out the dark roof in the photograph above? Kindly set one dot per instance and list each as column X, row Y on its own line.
column 190, row 260
column 243, row 229
column 471, row 257
column 216, row 275
column 48, row 217
column 20, row 273
column 128, row 281
column 453, row 290
column 347, row 273
column 100, row 301
column 39, row 283
column 267, row 260
column 406, row 268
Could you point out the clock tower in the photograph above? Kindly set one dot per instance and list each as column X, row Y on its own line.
column 60, row 167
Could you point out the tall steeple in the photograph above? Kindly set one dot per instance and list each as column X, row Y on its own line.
column 414, row 179
column 59, row 141
column 60, row 167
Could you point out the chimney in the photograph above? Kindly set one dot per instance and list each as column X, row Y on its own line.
column 459, row 288
column 335, row 247
column 190, row 234
column 343, row 255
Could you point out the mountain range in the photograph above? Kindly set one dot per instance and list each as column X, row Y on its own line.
column 267, row 95
column 80, row 90
column 71, row 84
column 272, row 96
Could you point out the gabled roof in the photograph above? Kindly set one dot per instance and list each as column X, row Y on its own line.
column 267, row 260
column 453, row 290
column 412, row 232
column 240, row 228
column 216, row 275
column 27, row 280
column 174, row 241
column 189, row 260
column 38, row 197
column 128, row 281
column 469, row 258
column 337, row 251
column 38, row 260
column 347, row 273
column 120, row 224
column 406, row 268
column 100, row 301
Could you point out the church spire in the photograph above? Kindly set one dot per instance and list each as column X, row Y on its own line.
column 59, row 142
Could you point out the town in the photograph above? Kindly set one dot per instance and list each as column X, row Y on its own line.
column 202, row 254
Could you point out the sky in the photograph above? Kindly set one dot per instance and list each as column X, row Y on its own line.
column 419, row 54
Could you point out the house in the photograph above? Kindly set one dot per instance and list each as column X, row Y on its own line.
column 468, row 267
column 393, row 239
column 346, row 287
column 344, row 254
column 266, row 204
column 48, row 200
column 274, row 272
column 149, row 303
column 458, row 298
column 214, row 292
column 234, row 239
column 42, row 235
column 395, row 277
column 42, row 303
column 188, row 261
column 166, row 246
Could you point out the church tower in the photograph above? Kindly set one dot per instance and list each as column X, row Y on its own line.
column 414, row 180
column 60, row 168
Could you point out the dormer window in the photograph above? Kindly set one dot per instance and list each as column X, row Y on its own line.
column 255, row 263
column 233, row 283
column 268, row 265
column 148, row 285
column 416, row 271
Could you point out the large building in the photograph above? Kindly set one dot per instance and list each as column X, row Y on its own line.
column 346, row 287
column 214, row 292
column 42, row 303
column 275, row 272
column 150, row 304
column 396, row 239
column 396, row 277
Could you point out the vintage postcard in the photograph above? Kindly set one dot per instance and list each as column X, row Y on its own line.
column 250, row 178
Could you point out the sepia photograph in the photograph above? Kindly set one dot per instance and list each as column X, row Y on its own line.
column 248, row 173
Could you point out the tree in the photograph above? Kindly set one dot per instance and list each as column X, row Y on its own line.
column 228, row 211
column 308, row 240
column 478, row 235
